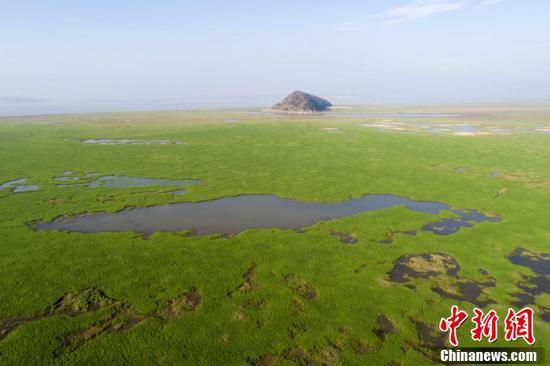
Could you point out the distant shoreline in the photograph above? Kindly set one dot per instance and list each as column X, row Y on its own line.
column 41, row 109
column 51, row 108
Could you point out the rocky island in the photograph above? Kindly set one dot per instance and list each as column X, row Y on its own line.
column 300, row 102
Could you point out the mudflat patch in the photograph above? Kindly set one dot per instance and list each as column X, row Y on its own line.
column 391, row 234
column 442, row 271
column 182, row 304
column 249, row 283
column 301, row 286
column 268, row 359
column 117, row 315
column 345, row 237
column 71, row 304
column 315, row 356
column 532, row 286
column 384, row 326
column 119, row 319
column 431, row 340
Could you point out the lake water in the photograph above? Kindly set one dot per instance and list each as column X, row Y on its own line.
column 231, row 215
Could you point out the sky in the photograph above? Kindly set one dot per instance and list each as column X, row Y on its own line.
column 357, row 51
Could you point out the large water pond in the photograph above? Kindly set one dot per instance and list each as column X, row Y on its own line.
column 231, row 215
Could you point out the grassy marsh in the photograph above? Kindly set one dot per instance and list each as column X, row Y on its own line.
column 264, row 296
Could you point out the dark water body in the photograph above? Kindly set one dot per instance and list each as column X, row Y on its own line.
column 532, row 286
column 231, row 215
column 537, row 262
column 452, row 225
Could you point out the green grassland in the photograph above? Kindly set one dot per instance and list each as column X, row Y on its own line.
column 255, row 304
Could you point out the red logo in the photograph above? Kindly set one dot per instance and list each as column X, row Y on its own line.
column 485, row 326
column 516, row 325
column 519, row 325
column 452, row 323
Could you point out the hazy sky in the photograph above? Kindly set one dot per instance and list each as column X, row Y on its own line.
column 354, row 51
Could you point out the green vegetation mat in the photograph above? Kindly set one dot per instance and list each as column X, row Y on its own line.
column 264, row 296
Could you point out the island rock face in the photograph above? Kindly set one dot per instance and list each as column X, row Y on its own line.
column 301, row 102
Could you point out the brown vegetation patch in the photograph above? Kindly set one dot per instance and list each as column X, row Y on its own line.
column 182, row 304
column 239, row 315
column 297, row 305
column 120, row 319
column 249, row 283
column 384, row 326
column 431, row 339
column 501, row 192
column 225, row 338
column 391, row 233
column 266, row 360
column 325, row 355
column 360, row 268
column 345, row 237
column 74, row 303
column 80, row 302
column 533, row 181
column 361, row 347
column 300, row 286
column 255, row 304
column 9, row 324
column 316, row 356
column 296, row 329
column 298, row 355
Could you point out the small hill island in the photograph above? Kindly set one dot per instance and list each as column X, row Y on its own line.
column 300, row 102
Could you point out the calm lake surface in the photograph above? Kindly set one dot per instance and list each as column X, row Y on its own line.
column 231, row 215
